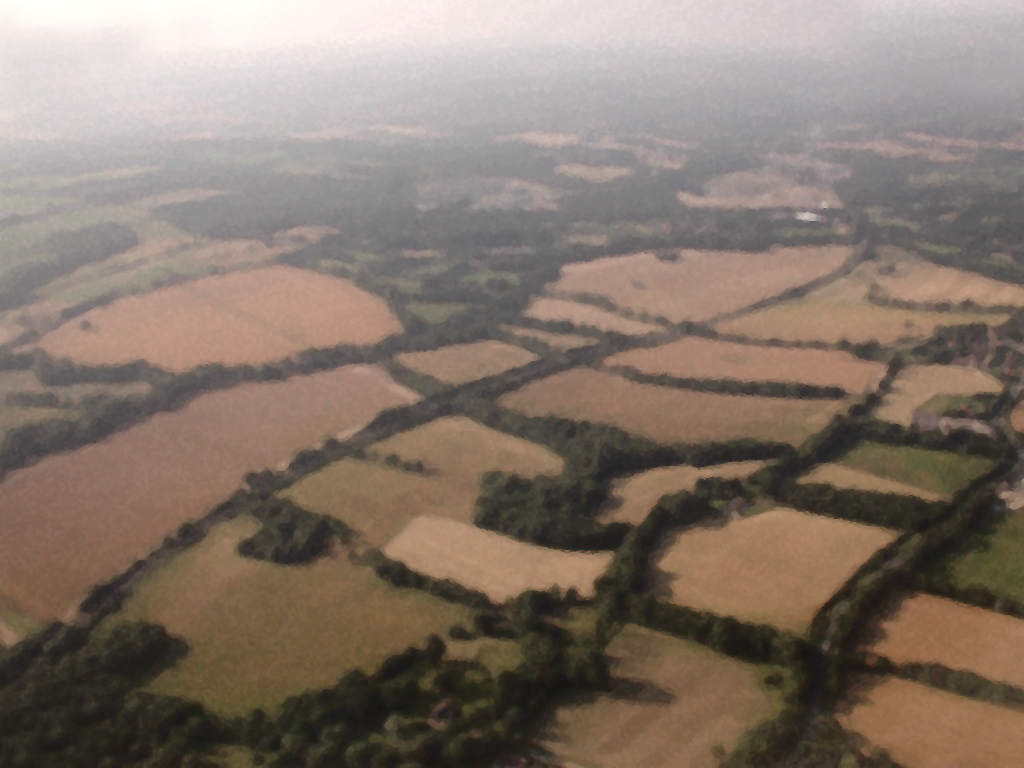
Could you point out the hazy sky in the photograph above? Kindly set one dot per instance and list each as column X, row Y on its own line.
column 188, row 24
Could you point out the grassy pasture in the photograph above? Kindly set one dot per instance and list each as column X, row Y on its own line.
column 761, row 189
column 499, row 566
column 259, row 632
column 696, row 358
column 935, row 472
column 379, row 500
column 934, row 630
column 79, row 518
column 244, row 317
column 922, row 727
column 560, row 341
column 633, row 497
column 586, row 316
column 917, row 384
column 698, row 285
column 693, row 700
column 996, row 565
column 778, row 567
column 670, row 415
column 462, row 363
column 839, row 476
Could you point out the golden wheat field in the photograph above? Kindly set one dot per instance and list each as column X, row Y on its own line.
column 249, row 317
column 696, row 358
column 499, row 566
column 79, row 518
column 935, row 630
column 907, row 277
column 778, row 567
column 917, row 384
column 633, row 497
column 462, row 363
column 586, row 316
column 379, row 500
column 699, row 285
column 690, row 701
column 670, row 415
column 922, row 727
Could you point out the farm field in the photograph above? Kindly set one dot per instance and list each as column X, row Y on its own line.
column 697, row 358
column 560, row 341
column 934, row 630
column 633, row 497
column 698, row 285
column 695, row 700
column 462, row 363
column 670, row 415
column 904, row 276
column 996, row 565
column 586, row 316
column 499, row 566
column 595, row 174
column 1017, row 418
column 78, row 518
column 259, row 632
column 922, row 727
column 917, row 384
column 839, row 476
column 379, row 500
column 250, row 317
column 761, row 189
column 778, row 567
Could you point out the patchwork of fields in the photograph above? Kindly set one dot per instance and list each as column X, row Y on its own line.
column 669, row 415
column 79, row 518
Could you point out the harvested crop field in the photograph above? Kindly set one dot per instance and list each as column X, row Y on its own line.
column 697, row 358
column 935, row 472
column 379, row 500
column 699, row 285
column 917, row 384
column 904, row 276
column 259, row 632
column 670, row 415
column 560, row 341
column 839, row 476
column 934, row 630
column 922, row 727
column 692, row 700
column 586, row 316
column 462, row 363
column 249, row 317
column 761, row 189
column 499, row 566
column 79, row 518
column 633, row 497
column 777, row 568
column 595, row 174
column 1017, row 417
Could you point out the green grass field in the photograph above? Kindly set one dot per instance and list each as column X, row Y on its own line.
column 259, row 633
column 998, row 564
column 935, row 471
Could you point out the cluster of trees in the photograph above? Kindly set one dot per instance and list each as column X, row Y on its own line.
column 889, row 510
column 290, row 534
column 736, row 387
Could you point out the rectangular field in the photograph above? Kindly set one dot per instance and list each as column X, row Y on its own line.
column 697, row 358
column 670, row 415
column 934, row 630
column 250, row 317
column 922, row 727
column 633, row 497
column 258, row 632
column 915, row 385
column 462, row 363
column 586, row 316
column 379, row 500
column 79, row 518
column 777, row 567
column 698, row 285
column 499, row 566
column 675, row 702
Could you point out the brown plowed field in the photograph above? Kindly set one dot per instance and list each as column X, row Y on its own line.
column 499, row 566
column 461, row 363
column 934, row 630
column 922, row 727
column 79, row 518
column 700, row 284
column 250, row 317
column 696, row 358
column 776, row 568
column 670, row 415
column 696, row 699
